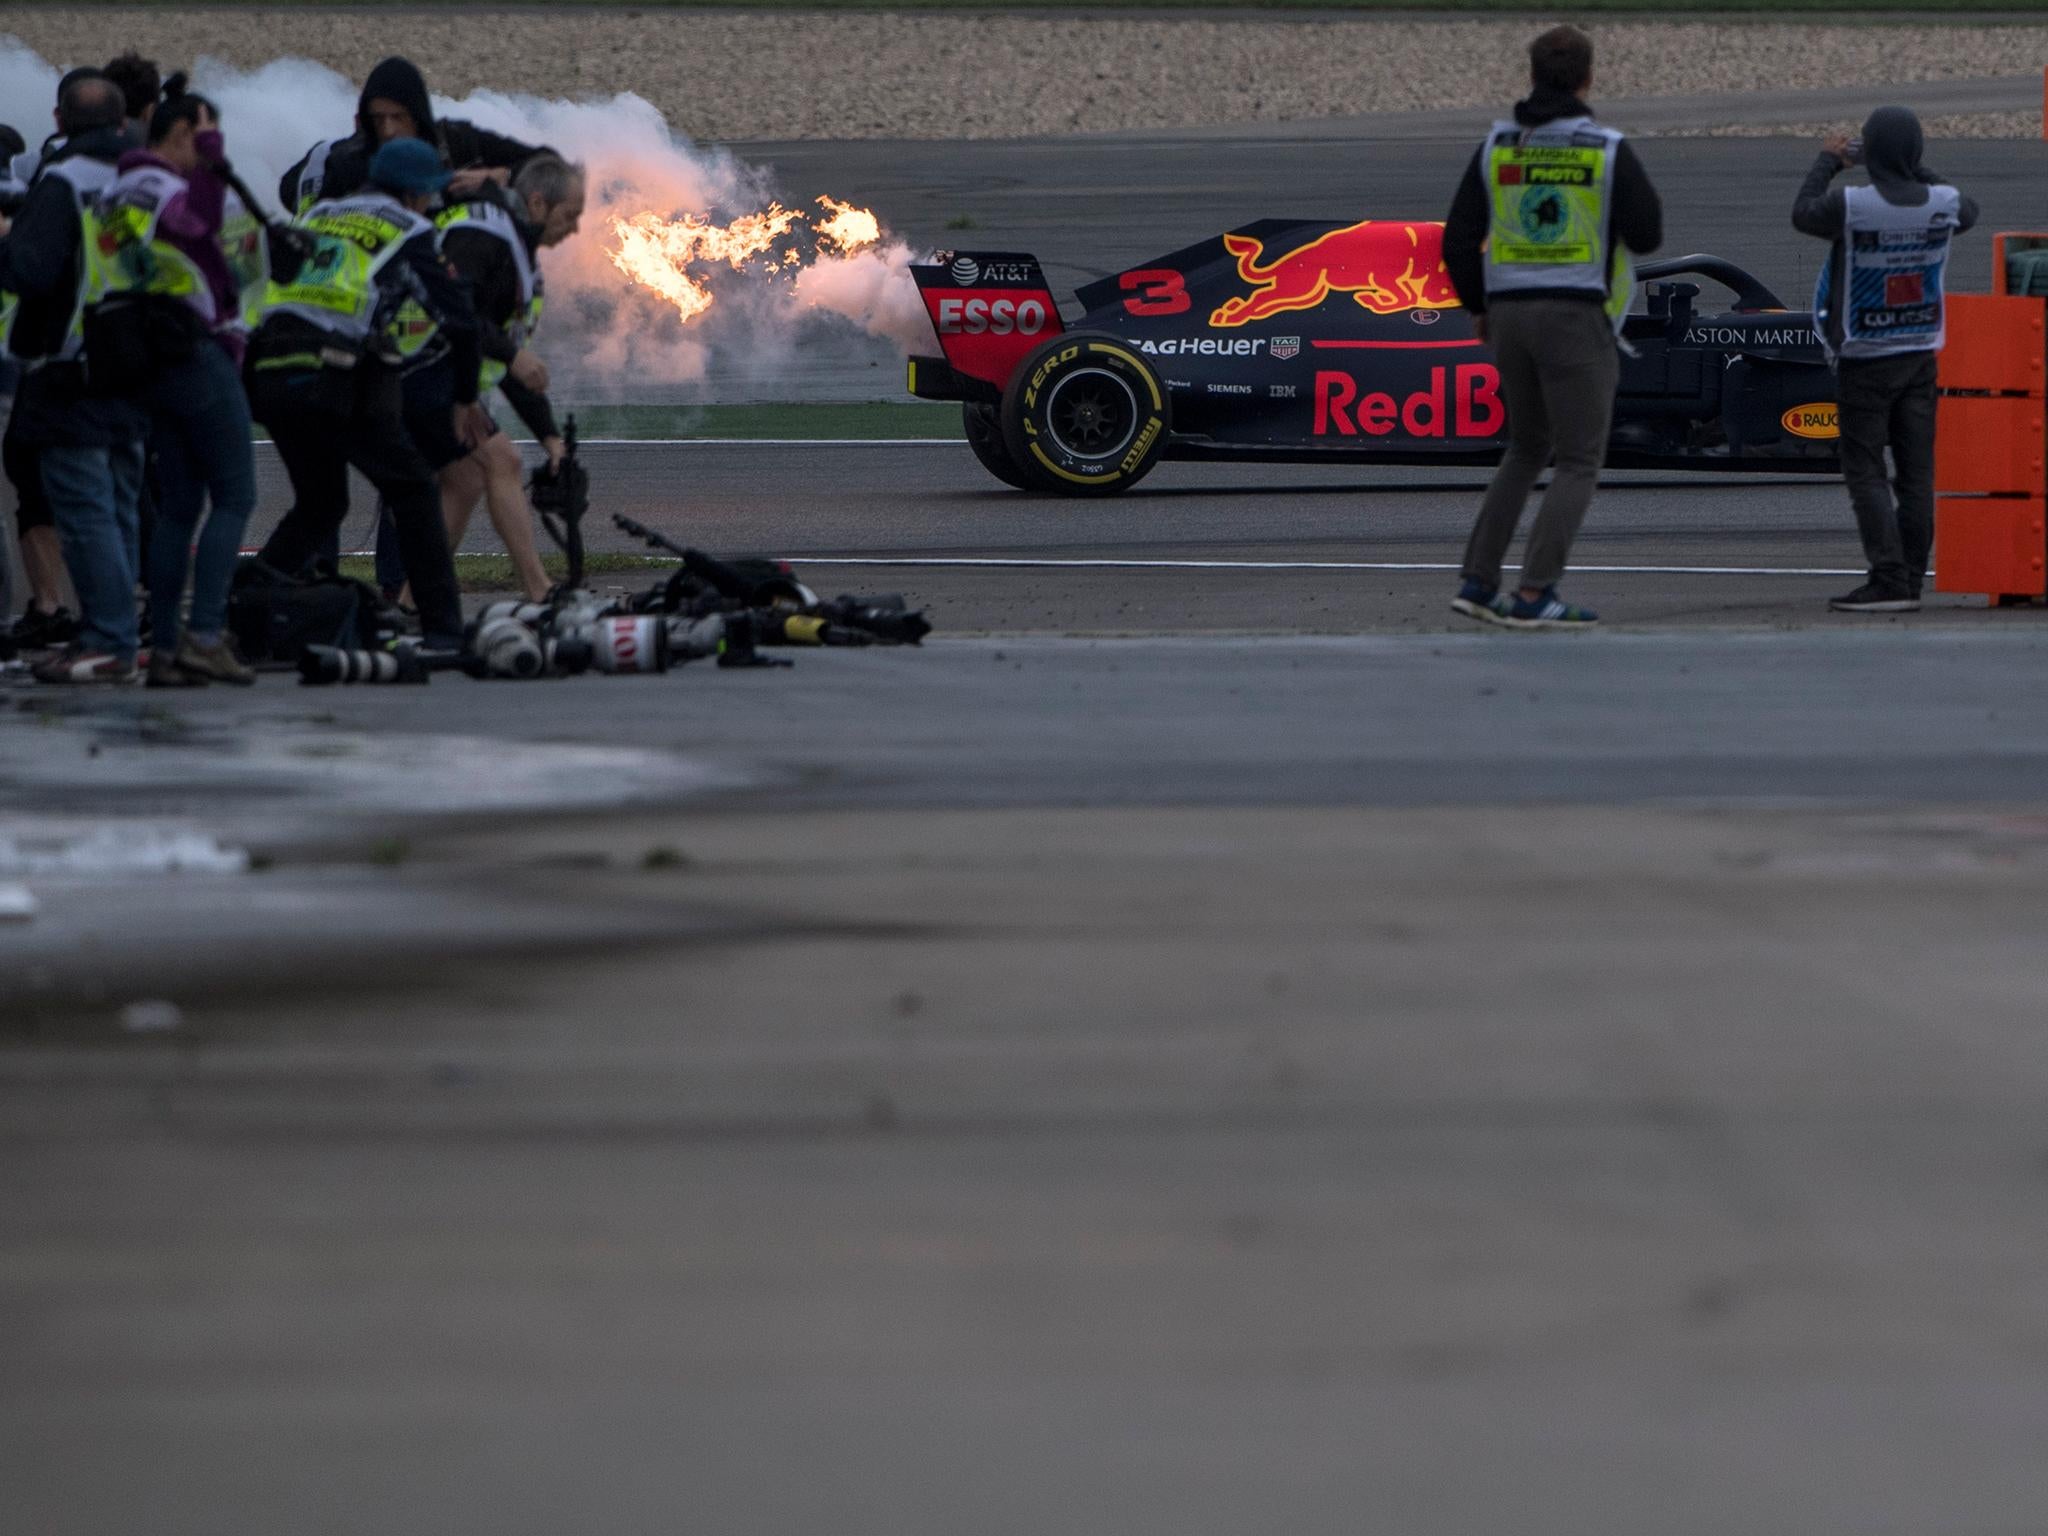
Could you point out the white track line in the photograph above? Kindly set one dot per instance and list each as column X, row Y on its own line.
column 1319, row 565
column 998, row 563
column 739, row 442
column 763, row 442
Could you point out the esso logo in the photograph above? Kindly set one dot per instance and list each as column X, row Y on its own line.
column 991, row 317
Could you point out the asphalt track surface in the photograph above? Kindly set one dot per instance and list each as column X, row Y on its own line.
column 1188, row 1083
column 1200, row 547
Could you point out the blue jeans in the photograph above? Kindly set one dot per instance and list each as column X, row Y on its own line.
column 94, row 493
column 199, row 424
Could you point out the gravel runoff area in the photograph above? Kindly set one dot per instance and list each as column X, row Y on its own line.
column 1964, row 125
column 736, row 76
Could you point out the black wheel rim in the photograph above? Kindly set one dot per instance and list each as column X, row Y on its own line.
column 1092, row 414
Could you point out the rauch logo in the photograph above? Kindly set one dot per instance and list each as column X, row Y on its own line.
column 1818, row 420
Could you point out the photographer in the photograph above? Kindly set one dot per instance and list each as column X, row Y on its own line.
column 141, row 86
column 324, row 373
column 1879, row 307
column 394, row 105
column 46, row 619
column 162, row 216
column 497, row 250
column 12, row 193
column 13, row 179
column 89, row 443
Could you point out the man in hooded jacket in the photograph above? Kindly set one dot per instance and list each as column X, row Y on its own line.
column 1889, row 252
column 394, row 105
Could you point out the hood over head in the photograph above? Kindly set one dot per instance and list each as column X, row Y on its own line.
column 1892, row 145
column 398, row 80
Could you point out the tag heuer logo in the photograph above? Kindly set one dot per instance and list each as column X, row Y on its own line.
column 1284, row 347
column 965, row 271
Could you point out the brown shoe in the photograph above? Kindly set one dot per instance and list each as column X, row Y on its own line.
column 216, row 662
column 164, row 672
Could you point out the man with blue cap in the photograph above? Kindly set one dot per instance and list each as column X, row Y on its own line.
column 325, row 367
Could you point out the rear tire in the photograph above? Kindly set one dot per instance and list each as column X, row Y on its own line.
column 1085, row 415
column 985, row 437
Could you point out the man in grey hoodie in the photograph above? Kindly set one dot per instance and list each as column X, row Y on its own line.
column 1879, row 312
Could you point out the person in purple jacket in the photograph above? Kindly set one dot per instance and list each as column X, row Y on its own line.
column 166, row 204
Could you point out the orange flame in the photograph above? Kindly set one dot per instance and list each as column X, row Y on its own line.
column 849, row 228
column 664, row 255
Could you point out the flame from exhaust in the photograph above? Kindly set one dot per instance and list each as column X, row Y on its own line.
column 666, row 255
column 849, row 228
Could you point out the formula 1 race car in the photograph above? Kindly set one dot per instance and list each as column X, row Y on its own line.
column 1310, row 342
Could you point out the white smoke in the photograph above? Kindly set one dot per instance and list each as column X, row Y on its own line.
column 601, row 332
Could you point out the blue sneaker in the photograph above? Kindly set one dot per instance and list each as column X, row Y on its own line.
column 1548, row 612
column 1476, row 600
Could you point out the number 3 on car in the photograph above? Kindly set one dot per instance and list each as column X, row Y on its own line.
column 1318, row 341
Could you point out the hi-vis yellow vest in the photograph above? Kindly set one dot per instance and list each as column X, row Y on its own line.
column 491, row 219
column 85, row 178
column 123, row 253
column 336, row 287
column 1550, row 196
column 242, row 242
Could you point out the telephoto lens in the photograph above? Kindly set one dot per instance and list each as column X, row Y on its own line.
column 693, row 639
column 503, row 647
column 736, row 648
column 567, row 656
column 885, row 618
column 320, row 665
column 535, row 614
column 622, row 642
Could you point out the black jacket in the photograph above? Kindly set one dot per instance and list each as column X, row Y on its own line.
column 462, row 144
column 484, row 262
column 40, row 260
column 447, row 298
column 1637, row 219
column 1892, row 146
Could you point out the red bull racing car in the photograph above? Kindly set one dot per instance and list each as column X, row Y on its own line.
column 1310, row 342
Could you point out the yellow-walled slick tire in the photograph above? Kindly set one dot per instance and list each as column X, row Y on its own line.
column 1085, row 415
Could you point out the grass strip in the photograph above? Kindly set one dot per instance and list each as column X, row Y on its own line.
column 867, row 420
column 863, row 421
column 493, row 573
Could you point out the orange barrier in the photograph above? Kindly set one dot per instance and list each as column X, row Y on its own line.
column 1991, row 444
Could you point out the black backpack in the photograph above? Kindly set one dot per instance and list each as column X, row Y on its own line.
column 273, row 617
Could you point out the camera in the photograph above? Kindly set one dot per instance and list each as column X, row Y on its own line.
column 503, row 645
column 324, row 664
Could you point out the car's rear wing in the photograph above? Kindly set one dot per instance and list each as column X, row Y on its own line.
column 988, row 310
